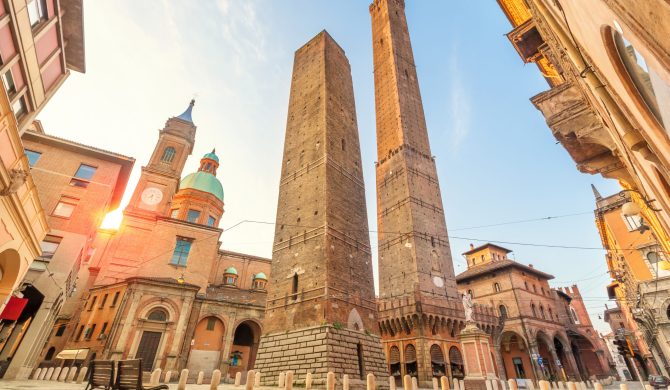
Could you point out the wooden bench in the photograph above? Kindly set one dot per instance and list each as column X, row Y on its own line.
column 129, row 376
column 100, row 375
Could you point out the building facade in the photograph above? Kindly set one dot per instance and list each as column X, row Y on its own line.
column 158, row 287
column 546, row 333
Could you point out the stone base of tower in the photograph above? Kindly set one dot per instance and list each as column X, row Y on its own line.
column 318, row 350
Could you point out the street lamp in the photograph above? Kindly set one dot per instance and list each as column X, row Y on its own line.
column 631, row 209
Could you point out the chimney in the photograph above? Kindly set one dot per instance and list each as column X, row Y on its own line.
column 531, row 266
column 472, row 246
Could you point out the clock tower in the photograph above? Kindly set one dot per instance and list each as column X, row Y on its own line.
column 160, row 177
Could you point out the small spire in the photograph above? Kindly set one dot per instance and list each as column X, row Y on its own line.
column 186, row 115
column 214, row 151
column 595, row 192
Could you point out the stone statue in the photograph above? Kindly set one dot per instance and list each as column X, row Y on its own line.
column 467, row 305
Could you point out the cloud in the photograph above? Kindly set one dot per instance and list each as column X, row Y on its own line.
column 460, row 106
column 242, row 32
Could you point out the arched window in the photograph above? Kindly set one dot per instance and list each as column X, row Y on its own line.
column 667, row 312
column 158, row 315
column 542, row 290
column 294, row 287
column 496, row 287
column 168, row 154
column 532, row 306
column 542, row 311
column 410, row 360
column 551, row 315
column 503, row 311
column 50, row 353
column 573, row 316
column 534, row 289
column 525, row 285
column 456, row 363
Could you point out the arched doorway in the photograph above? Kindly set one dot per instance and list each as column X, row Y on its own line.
column 437, row 361
column 564, row 367
column 585, row 355
column 244, row 348
column 207, row 345
column 547, row 364
column 515, row 356
column 456, row 363
column 150, row 338
column 410, row 360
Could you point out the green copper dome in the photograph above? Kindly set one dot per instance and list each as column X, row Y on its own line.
column 230, row 271
column 203, row 181
column 260, row 275
column 212, row 156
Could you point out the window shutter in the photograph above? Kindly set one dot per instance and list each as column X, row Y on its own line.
column 410, row 354
column 455, row 356
column 394, row 355
column 436, row 355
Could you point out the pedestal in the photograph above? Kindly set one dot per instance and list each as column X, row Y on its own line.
column 477, row 357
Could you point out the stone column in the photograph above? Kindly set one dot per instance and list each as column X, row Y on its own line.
column 573, row 363
column 477, row 357
column 126, row 327
column 227, row 344
column 180, row 329
column 561, row 371
column 537, row 370
column 499, row 362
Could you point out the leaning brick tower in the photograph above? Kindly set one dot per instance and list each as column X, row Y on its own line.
column 321, row 313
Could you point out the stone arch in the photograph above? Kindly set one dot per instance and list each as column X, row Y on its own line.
column 515, row 355
column 207, row 344
column 545, row 348
column 355, row 322
column 246, row 337
column 395, row 366
column 167, row 304
column 10, row 265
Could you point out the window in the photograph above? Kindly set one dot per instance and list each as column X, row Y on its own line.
column 19, row 107
column 37, row 10
column 211, row 322
column 294, row 287
column 102, row 331
column 89, row 332
column 49, row 246
column 542, row 290
column 496, row 287
column 181, row 250
column 518, row 367
column 95, row 298
column 654, row 91
column 79, row 332
column 573, row 316
column 104, row 300
column 168, row 154
column 230, row 280
column 633, row 222
column 667, row 313
column 65, row 207
column 83, row 176
column 174, row 213
column 551, row 315
column 525, row 285
column 60, row 331
column 211, row 221
column 503, row 311
column 533, row 309
column 193, row 216
column 542, row 311
column 50, row 353
column 8, row 82
column 534, row 289
column 361, row 362
column 158, row 315
column 116, row 298
column 33, row 156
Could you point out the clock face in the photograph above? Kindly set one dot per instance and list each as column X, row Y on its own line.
column 152, row 196
column 437, row 281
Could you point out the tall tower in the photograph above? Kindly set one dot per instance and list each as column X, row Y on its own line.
column 321, row 310
column 160, row 177
column 414, row 254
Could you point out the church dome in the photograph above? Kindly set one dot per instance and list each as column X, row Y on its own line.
column 260, row 275
column 230, row 271
column 203, row 181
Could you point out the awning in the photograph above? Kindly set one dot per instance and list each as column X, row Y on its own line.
column 13, row 309
column 73, row 354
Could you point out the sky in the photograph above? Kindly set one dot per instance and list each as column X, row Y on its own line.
column 497, row 160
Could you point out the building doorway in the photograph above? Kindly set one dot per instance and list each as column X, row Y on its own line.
column 245, row 345
column 207, row 345
column 148, row 348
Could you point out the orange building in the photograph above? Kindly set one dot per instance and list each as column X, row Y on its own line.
column 544, row 333
column 158, row 287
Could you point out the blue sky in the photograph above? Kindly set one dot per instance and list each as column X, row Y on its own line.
column 497, row 160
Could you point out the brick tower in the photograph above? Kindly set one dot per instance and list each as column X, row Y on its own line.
column 421, row 313
column 321, row 312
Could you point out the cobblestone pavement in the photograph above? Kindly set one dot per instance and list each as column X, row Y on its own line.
column 49, row 385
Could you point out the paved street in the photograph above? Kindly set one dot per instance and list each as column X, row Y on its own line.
column 32, row 384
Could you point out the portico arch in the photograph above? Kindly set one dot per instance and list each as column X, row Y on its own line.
column 207, row 345
column 515, row 356
column 245, row 346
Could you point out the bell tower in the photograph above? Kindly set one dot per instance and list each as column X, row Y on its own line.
column 160, row 177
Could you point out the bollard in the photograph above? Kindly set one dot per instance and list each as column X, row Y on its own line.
column 168, row 376
column 330, row 381
column 372, row 385
column 415, row 384
column 407, row 382
column 54, row 375
column 571, row 386
column 50, row 371
column 37, row 373
column 544, row 385
column 444, row 383
column 598, row 386
column 282, row 379
column 436, row 384
column 503, row 385
column 42, row 374
column 512, row 385
column 238, row 378
column 308, row 380
column 345, row 382
column 216, row 379
column 201, row 377
column 183, row 377
column 71, row 375
column 456, row 386
column 251, row 379
column 392, row 383
column 82, row 375
column 289, row 380
column 494, row 384
column 63, row 374
column 257, row 379
column 554, row 385
column 155, row 377
column 561, row 385
column 461, row 383
column 530, row 384
column 648, row 387
column 488, row 384
column 623, row 386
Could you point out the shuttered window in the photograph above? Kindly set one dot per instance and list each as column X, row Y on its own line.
column 455, row 356
column 394, row 355
column 436, row 355
column 410, row 354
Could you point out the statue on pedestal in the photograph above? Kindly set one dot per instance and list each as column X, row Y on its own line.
column 468, row 305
